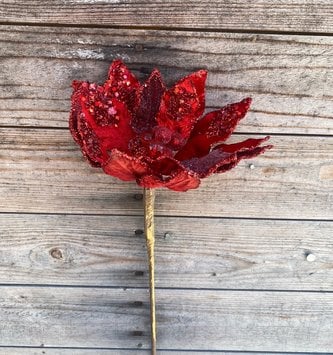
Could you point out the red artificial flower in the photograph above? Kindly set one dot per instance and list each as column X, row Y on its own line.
column 156, row 135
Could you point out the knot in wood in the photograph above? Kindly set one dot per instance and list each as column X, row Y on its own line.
column 56, row 253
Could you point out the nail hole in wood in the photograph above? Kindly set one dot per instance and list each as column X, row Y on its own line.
column 138, row 197
column 168, row 235
column 139, row 273
column 137, row 333
column 137, row 304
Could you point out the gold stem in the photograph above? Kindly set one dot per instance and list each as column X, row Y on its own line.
column 149, row 199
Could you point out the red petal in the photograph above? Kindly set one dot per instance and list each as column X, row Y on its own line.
column 195, row 147
column 122, row 84
column 75, row 111
column 168, row 172
column 148, row 102
column 106, row 121
column 240, row 146
column 208, row 164
column 183, row 104
column 222, row 122
column 182, row 181
column 225, row 157
column 123, row 166
column 118, row 134
column 82, row 131
column 90, row 144
column 214, row 127
column 246, row 154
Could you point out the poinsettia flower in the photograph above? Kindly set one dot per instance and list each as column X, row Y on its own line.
column 154, row 135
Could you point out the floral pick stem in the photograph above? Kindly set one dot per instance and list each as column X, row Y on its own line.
column 149, row 199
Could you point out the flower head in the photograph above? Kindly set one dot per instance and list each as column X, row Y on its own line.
column 154, row 135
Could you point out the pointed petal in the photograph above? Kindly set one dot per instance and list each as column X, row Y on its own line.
column 250, row 143
column 148, row 103
column 81, row 130
column 105, row 122
column 122, row 84
column 222, row 123
column 246, row 154
column 225, row 157
column 123, row 166
column 183, row 104
column 214, row 127
column 208, row 164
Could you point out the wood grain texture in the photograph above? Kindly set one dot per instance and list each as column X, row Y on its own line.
column 62, row 351
column 190, row 253
column 289, row 77
column 269, row 15
column 42, row 170
column 201, row 320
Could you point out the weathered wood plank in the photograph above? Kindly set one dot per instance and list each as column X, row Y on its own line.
column 273, row 15
column 190, row 253
column 42, row 170
column 289, row 77
column 267, row 321
column 62, row 351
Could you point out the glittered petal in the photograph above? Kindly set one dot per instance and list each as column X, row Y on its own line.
column 80, row 129
column 119, row 133
column 75, row 111
column 245, row 154
column 148, row 103
column 222, row 122
column 208, row 164
column 168, row 172
column 213, row 128
column 183, row 104
column 122, row 84
column 123, row 166
column 225, row 157
column 90, row 144
column 245, row 145
column 183, row 181
column 105, row 120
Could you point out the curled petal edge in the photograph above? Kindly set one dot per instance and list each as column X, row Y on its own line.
column 123, row 166
column 225, row 157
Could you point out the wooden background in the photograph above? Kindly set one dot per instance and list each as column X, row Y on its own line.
column 235, row 268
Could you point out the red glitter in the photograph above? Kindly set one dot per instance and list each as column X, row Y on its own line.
column 153, row 135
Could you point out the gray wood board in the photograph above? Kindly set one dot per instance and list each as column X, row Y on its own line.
column 201, row 320
column 190, row 253
column 289, row 77
column 42, row 170
column 96, row 351
column 273, row 15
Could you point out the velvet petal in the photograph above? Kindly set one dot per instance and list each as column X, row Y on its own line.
column 225, row 157
column 123, row 166
column 168, row 172
column 122, row 84
column 182, row 181
column 148, row 100
column 213, row 128
column 183, row 104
